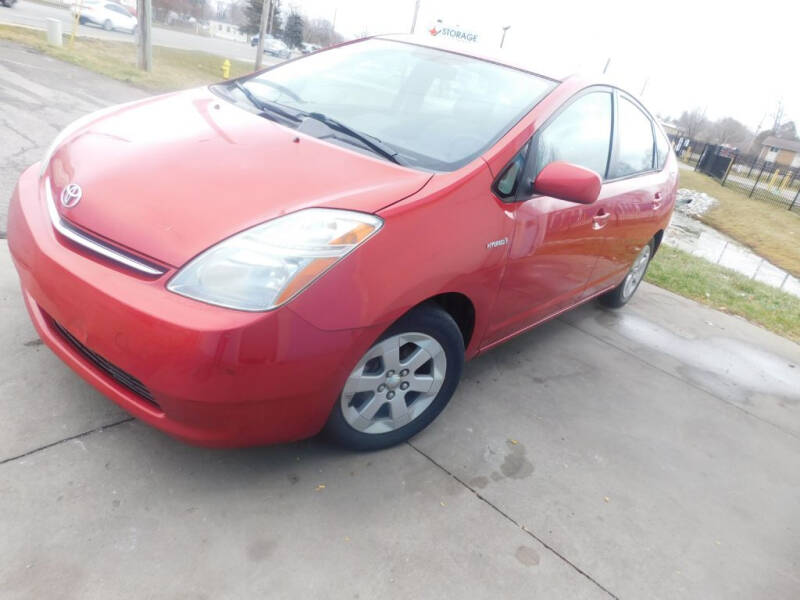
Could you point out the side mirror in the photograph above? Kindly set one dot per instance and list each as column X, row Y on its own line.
column 566, row 181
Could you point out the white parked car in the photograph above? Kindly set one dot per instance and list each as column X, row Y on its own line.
column 108, row 15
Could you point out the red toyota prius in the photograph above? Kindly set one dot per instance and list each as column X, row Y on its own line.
column 321, row 246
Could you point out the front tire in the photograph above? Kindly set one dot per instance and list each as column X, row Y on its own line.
column 108, row 25
column 620, row 295
column 402, row 382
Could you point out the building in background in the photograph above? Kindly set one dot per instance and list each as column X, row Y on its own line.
column 226, row 21
column 226, row 30
column 780, row 151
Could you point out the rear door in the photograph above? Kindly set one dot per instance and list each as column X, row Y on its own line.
column 555, row 243
column 632, row 193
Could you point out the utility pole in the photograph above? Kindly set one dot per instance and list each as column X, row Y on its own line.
column 608, row 62
column 644, row 87
column 266, row 9
column 416, row 12
column 271, row 17
column 778, row 118
column 144, row 41
column 503, row 39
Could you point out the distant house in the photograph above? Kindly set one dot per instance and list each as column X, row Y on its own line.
column 672, row 129
column 780, row 151
column 228, row 31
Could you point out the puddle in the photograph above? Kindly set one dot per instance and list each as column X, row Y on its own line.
column 729, row 363
column 698, row 239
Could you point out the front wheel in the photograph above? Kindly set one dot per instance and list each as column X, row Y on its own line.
column 107, row 25
column 620, row 295
column 401, row 383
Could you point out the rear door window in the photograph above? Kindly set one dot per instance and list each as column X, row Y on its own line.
column 580, row 134
column 634, row 147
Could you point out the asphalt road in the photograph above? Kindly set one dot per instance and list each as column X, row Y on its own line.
column 652, row 452
column 34, row 14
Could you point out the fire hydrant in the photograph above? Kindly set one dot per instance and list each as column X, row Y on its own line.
column 226, row 69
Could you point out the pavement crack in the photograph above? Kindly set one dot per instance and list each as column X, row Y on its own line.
column 512, row 520
column 21, row 134
column 684, row 381
column 77, row 436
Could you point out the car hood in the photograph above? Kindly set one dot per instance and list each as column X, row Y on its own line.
column 170, row 176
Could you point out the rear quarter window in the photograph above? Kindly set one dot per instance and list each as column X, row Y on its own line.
column 634, row 148
column 662, row 149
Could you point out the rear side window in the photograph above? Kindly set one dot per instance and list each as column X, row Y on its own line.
column 662, row 149
column 580, row 134
column 634, row 151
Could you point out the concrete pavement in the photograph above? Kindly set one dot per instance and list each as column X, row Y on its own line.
column 652, row 452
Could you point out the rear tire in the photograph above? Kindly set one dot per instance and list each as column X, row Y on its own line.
column 82, row 20
column 401, row 384
column 108, row 25
column 620, row 295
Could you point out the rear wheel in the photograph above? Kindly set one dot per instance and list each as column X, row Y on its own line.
column 401, row 383
column 82, row 20
column 107, row 25
column 620, row 295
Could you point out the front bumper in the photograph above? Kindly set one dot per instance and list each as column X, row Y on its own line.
column 208, row 375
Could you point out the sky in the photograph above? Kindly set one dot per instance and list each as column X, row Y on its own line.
column 735, row 59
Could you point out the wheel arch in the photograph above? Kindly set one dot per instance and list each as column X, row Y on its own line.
column 657, row 240
column 461, row 308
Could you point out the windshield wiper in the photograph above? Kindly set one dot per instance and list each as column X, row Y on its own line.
column 265, row 106
column 373, row 144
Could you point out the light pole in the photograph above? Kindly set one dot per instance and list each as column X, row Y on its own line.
column 414, row 21
column 503, row 39
column 266, row 9
column 144, row 49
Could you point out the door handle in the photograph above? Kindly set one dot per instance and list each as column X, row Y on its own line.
column 657, row 201
column 600, row 220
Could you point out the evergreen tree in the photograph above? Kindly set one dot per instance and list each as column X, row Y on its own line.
column 252, row 13
column 294, row 30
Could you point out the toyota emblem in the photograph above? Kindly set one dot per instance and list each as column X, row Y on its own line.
column 71, row 195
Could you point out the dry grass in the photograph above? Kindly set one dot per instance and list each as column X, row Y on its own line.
column 770, row 231
column 172, row 69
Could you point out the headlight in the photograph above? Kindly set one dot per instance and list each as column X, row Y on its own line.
column 267, row 265
column 72, row 128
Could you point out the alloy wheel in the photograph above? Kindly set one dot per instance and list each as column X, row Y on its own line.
column 394, row 383
column 635, row 275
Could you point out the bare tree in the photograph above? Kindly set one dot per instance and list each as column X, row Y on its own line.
column 321, row 32
column 731, row 132
column 693, row 122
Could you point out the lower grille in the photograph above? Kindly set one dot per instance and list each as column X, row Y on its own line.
column 120, row 376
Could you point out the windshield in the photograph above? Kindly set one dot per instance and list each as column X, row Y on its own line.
column 437, row 110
